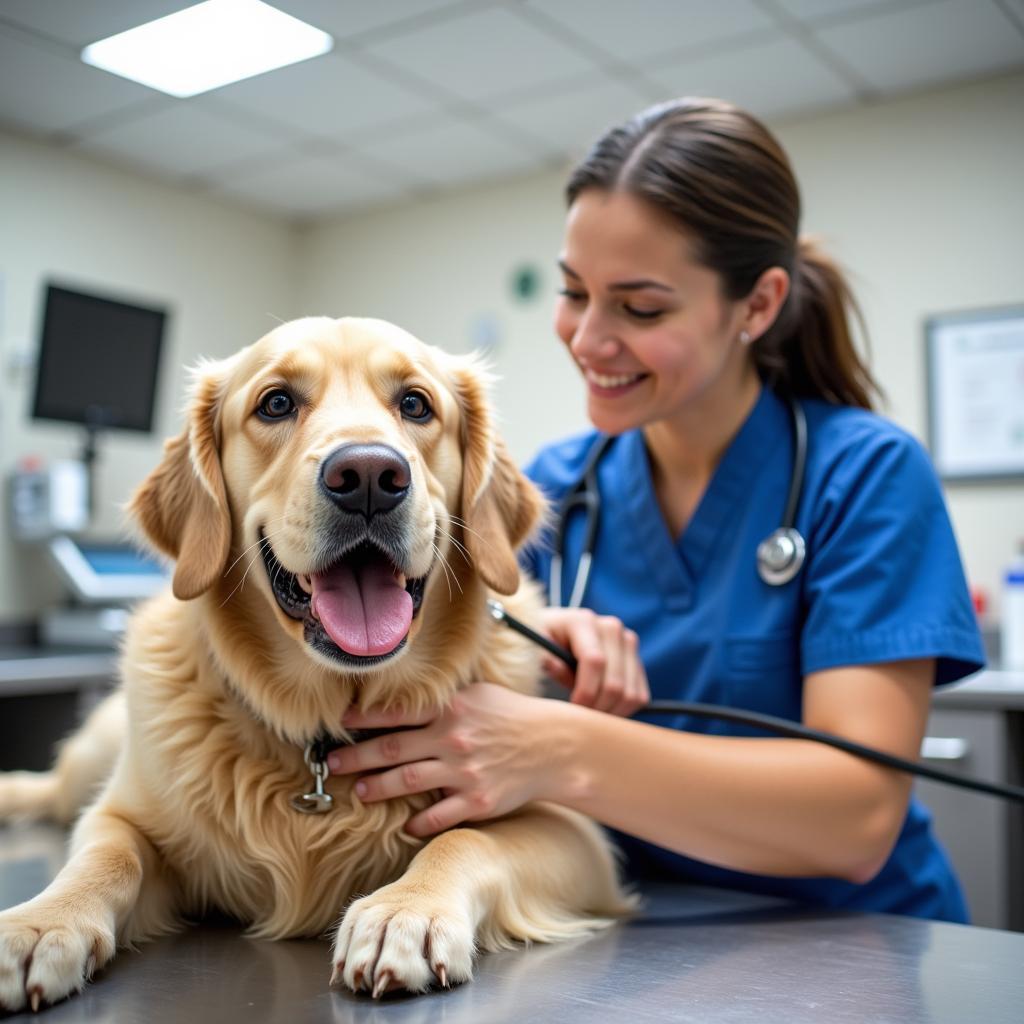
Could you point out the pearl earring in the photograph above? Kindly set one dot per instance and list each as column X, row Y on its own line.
column 745, row 338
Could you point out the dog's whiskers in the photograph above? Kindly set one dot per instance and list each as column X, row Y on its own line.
column 241, row 582
column 261, row 540
column 260, row 544
column 448, row 572
column 462, row 549
column 465, row 526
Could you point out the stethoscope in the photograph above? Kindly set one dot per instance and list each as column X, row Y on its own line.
column 780, row 556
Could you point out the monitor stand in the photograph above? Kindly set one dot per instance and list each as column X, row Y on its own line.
column 88, row 459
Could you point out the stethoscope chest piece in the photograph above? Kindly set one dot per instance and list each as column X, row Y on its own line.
column 780, row 556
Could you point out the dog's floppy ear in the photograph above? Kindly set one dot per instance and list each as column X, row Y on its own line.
column 500, row 506
column 182, row 506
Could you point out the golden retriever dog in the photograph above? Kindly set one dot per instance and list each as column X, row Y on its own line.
column 339, row 509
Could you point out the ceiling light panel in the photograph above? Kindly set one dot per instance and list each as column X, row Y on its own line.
column 207, row 46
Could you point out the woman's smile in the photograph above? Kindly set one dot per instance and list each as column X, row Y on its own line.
column 611, row 385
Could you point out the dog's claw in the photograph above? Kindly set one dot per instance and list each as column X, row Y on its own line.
column 34, row 998
column 382, row 984
column 339, row 970
column 442, row 975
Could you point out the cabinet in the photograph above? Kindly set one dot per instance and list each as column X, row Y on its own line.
column 983, row 835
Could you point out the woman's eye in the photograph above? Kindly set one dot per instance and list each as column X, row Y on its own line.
column 642, row 314
column 414, row 406
column 276, row 405
column 572, row 296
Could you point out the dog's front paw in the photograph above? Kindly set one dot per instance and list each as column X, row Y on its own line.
column 49, row 952
column 398, row 938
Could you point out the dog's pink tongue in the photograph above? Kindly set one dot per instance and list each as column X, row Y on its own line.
column 362, row 607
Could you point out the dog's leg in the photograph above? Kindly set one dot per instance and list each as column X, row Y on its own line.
column 112, row 891
column 83, row 764
column 541, row 875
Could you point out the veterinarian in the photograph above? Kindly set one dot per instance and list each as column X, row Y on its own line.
column 697, row 315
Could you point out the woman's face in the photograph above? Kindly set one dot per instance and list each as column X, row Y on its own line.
column 647, row 325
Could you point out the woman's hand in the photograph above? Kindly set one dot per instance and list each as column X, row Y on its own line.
column 490, row 751
column 610, row 676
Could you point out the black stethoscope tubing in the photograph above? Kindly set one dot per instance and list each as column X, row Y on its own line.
column 773, row 724
column 780, row 556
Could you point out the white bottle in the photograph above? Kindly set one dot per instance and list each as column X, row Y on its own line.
column 1012, row 628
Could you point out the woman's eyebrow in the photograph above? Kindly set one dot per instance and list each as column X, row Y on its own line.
column 621, row 286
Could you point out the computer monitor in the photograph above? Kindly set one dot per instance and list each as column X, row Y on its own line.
column 98, row 361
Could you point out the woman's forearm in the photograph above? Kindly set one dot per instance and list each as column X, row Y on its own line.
column 767, row 806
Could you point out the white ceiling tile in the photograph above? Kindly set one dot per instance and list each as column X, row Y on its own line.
column 449, row 152
column 482, row 55
column 930, row 44
column 309, row 185
column 815, row 10
column 182, row 140
column 347, row 18
column 79, row 23
column 640, row 28
column 570, row 121
column 751, row 78
column 44, row 91
column 328, row 96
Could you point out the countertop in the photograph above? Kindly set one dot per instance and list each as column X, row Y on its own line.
column 991, row 688
column 26, row 669
column 701, row 955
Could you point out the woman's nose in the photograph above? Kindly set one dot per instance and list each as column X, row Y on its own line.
column 593, row 338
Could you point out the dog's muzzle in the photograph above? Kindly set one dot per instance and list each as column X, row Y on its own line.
column 357, row 610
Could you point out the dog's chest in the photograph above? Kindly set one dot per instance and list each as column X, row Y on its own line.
column 239, row 845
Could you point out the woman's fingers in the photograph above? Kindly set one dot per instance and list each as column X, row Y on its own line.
column 446, row 813
column 381, row 752
column 636, row 692
column 556, row 669
column 377, row 719
column 609, row 676
column 616, row 672
column 591, row 660
column 405, row 780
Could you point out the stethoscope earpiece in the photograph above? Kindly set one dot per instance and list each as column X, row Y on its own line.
column 781, row 556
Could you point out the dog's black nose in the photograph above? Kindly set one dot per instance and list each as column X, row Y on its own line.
column 365, row 478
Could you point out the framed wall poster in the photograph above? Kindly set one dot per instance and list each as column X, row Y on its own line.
column 976, row 393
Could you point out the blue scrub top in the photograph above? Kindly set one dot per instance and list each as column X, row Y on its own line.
column 882, row 582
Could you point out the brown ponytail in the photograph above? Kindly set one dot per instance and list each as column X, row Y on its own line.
column 725, row 180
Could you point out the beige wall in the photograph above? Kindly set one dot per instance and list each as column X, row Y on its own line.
column 920, row 199
column 222, row 271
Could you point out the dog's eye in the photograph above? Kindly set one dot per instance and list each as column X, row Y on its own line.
column 414, row 406
column 276, row 405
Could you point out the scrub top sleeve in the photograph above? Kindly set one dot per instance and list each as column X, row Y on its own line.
column 884, row 581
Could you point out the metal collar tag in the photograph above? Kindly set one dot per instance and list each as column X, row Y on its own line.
column 319, row 801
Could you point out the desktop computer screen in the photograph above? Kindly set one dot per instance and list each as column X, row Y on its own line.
column 98, row 361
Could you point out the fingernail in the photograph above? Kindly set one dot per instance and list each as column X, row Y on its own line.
column 333, row 762
column 360, row 789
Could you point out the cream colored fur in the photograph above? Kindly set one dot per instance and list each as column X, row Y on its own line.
column 199, row 753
